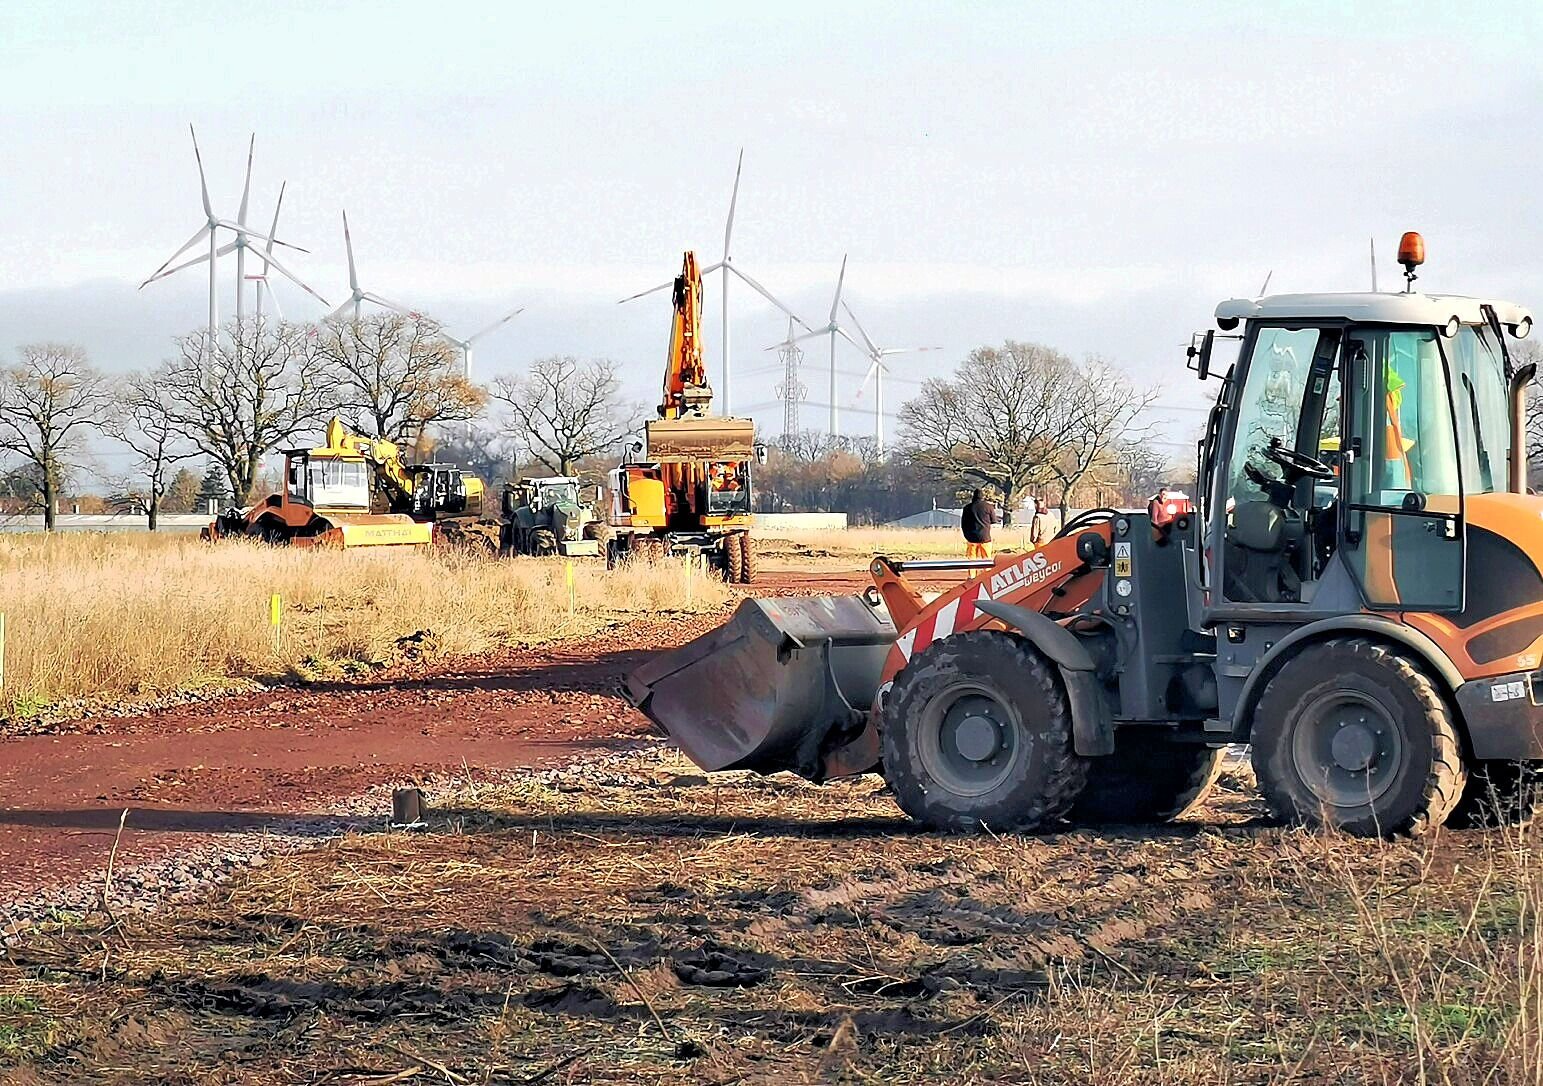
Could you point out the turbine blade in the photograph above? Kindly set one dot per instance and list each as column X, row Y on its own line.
column 348, row 241
column 273, row 231
column 402, row 309
column 646, row 293
column 1374, row 265
column 499, row 323
column 873, row 348
column 763, row 292
column 728, row 228
column 339, row 311
column 201, row 258
column 873, row 367
column 255, row 235
column 1268, row 276
column 295, row 279
column 810, row 335
column 203, row 232
column 203, row 185
column 246, row 189
column 834, row 302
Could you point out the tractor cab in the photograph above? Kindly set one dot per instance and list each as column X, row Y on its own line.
column 1353, row 434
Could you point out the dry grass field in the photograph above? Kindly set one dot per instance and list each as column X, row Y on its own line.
column 120, row 615
column 642, row 924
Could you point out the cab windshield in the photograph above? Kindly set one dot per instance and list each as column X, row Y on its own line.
column 339, row 484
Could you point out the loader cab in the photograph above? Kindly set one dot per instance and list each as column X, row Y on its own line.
column 1342, row 451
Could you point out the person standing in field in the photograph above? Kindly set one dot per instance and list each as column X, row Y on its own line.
column 1039, row 526
column 975, row 521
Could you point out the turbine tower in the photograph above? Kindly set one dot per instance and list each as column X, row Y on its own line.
column 876, row 371
column 210, row 231
column 833, row 329
column 466, row 344
column 726, row 267
column 356, row 295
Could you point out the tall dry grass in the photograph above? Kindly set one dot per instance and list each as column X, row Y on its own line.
column 111, row 615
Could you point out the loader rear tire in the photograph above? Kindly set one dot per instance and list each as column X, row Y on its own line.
column 1354, row 735
column 1499, row 794
column 1148, row 778
column 976, row 733
column 733, row 558
column 747, row 559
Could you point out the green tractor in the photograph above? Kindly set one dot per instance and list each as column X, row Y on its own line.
column 546, row 516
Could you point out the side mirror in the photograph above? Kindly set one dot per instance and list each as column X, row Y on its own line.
column 760, row 452
column 1199, row 356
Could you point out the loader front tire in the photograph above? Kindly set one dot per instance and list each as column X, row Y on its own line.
column 976, row 733
column 1148, row 778
column 1354, row 735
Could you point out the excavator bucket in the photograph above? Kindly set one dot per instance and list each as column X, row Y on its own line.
column 772, row 687
column 694, row 439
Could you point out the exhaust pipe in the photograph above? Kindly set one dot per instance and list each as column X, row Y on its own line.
column 780, row 686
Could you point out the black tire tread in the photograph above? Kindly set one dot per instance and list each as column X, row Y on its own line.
column 1067, row 771
column 1146, row 780
column 1445, row 781
column 747, row 559
column 733, row 558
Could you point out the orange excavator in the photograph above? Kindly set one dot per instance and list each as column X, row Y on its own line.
column 685, row 490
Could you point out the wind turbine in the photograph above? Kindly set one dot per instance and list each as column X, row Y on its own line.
column 832, row 329
column 466, row 344
column 876, row 371
column 261, row 279
column 356, row 296
column 727, row 267
column 209, row 232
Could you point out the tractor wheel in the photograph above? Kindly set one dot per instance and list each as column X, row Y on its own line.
column 1499, row 794
column 272, row 534
column 543, row 543
column 976, row 732
column 658, row 549
column 733, row 558
column 1146, row 779
column 747, row 559
column 1354, row 735
column 611, row 557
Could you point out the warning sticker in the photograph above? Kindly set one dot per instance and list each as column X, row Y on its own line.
column 1122, row 559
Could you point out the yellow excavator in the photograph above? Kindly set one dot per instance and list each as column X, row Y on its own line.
column 685, row 490
column 357, row 491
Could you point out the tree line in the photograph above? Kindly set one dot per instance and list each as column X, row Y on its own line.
column 1017, row 419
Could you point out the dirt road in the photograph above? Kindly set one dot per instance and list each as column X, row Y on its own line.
column 232, row 765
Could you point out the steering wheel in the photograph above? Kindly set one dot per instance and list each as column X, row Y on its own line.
column 1298, row 463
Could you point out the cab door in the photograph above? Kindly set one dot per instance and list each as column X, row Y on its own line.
column 1402, row 532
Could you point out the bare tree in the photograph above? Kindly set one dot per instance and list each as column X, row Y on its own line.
column 398, row 375
column 999, row 421
column 48, row 399
column 564, row 410
column 239, row 397
column 142, row 420
column 1102, row 407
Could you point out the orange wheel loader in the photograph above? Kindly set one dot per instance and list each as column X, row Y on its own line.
column 1358, row 594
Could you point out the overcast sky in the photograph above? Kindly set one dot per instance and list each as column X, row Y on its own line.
column 1095, row 177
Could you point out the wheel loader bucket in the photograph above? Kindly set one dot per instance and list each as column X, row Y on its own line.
column 766, row 690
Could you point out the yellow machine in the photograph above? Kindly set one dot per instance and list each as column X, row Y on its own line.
column 690, row 492
column 357, row 491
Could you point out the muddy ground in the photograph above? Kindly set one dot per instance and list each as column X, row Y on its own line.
column 626, row 919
